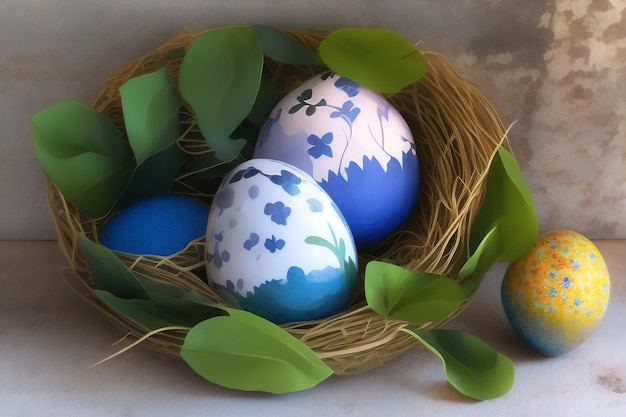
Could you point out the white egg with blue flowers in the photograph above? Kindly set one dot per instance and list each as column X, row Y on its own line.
column 278, row 246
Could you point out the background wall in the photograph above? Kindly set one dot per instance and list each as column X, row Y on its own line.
column 558, row 68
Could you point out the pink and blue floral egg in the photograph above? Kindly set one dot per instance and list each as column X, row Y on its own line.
column 161, row 226
column 278, row 246
column 355, row 144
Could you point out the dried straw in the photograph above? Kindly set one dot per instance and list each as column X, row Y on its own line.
column 457, row 132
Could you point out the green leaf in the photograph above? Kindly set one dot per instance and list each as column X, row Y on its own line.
column 249, row 353
column 143, row 312
column 472, row 367
column 485, row 255
column 416, row 297
column 154, row 177
column 150, row 103
column 84, row 155
column 110, row 273
column 380, row 59
column 225, row 147
column 506, row 226
column 509, row 200
column 160, row 311
column 219, row 78
column 191, row 307
column 266, row 100
column 281, row 47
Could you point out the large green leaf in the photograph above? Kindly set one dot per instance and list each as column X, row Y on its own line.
column 84, row 155
column 160, row 311
column 150, row 103
column 219, row 78
column 249, row 353
column 509, row 200
column 110, row 273
column 281, row 47
column 380, row 59
column 416, row 297
column 472, row 367
column 506, row 226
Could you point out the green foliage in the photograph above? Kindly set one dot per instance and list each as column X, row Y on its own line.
column 150, row 104
column 380, row 59
column 83, row 154
column 267, row 98
column 472, row 367
column 416, row 297
column 160, row 311
column 119, row 288
column 246, row 352
column 219, row 78
column 154, row 177
column 283, row 48
column 110, row 273
column 506, row 226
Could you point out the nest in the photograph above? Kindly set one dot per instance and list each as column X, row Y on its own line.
column 457, row 132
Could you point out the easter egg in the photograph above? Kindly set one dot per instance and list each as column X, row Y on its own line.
column 556, row 293
column 355, row 144
column 278, row 246
column 161, row 226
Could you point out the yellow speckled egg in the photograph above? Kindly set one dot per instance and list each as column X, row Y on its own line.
column 556, row 293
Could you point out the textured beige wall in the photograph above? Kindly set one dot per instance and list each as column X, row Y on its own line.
column 557, row 68
column 561, row 73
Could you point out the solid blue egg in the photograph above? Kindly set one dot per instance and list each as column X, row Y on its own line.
column 161, row 226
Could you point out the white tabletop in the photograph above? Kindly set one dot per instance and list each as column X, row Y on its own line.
column 49, row 337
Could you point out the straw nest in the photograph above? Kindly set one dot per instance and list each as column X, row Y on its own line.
column 457, row 132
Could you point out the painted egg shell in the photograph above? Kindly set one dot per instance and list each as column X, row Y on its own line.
column 555, row 294
column 356, row 146
column 161, row 225
column 278, row 246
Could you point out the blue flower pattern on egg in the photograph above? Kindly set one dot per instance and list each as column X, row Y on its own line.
column 252, row 241
column 288, row 181
column 224, row 199
column 219, row 257
column 315, row 205
column 355, row 145
column 253, row 192
column 272, row 244
column 351, row 88
column 320, row 145
column 289, row 254
column 347, row 111
column 278, row 212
